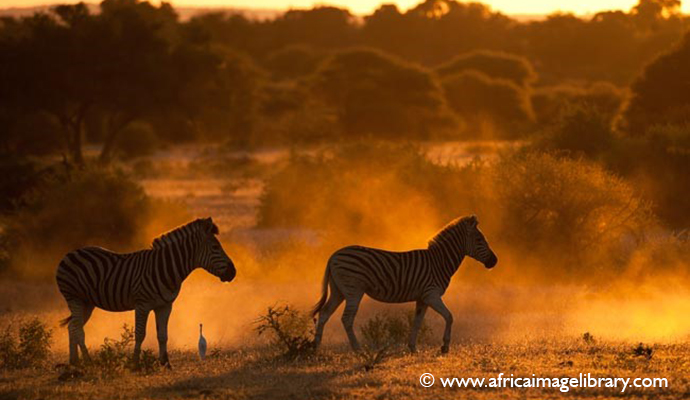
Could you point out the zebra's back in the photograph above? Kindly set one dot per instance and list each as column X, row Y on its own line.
column 388, row 276
column 100, row 277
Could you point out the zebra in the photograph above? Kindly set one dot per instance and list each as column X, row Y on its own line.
column 421, row 276
column 142, row 281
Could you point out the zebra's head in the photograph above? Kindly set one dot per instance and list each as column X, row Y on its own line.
column 210, row 254
column 476, row 245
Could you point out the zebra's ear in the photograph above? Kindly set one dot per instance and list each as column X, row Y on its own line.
column 474, row 221
column 211, row 227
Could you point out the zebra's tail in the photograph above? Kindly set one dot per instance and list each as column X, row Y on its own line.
column 64, row 322
column 324, row 291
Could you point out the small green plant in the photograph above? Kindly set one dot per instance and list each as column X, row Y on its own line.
column 386, row 333
column 642, row 350
column 30, row 349
column 115, row 356
column 291, row 330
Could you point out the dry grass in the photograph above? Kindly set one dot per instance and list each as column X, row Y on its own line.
column 336, row 373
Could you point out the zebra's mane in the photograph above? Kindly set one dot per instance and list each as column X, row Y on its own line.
column 451, row 227
column 183, row 232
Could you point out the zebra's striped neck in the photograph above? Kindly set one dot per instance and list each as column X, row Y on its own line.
column 177, row 260
column 448, row 252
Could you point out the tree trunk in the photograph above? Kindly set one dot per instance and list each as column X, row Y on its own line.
column 114, row 128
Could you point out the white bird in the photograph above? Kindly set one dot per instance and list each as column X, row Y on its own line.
column 202, row 343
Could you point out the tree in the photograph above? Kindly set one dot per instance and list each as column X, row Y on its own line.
column 292, row 62
column 482, row 101
column 497, row 65
column 662, row 93
column 374, row 93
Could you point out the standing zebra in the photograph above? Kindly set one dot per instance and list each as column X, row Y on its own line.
column 398, row 277
column 141, row 281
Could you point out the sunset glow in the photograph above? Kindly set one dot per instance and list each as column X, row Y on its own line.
column 529, row 7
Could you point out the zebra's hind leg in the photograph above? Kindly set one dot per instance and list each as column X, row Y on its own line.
column 334, row 300
column 351, row 307
column 419, row 312
column 437, row 305
column 88, row 310
column 75, row 328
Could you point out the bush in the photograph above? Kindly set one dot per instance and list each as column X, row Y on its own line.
column 495, row 65
column 386, row 330
column 581, row 131
column 483, row 102
column 549, row 103
column 77, row 209
column 115, row 357
column 354, row 193
column 30, row 350
column 291, row 330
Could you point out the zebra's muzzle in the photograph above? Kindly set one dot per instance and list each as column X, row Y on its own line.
column 491, row 262
column 229, row 274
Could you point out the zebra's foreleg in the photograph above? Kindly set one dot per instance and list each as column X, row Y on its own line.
column 348, row 318
column 162, row 317
column 141, row 316
column 419, row 312
column 335, row 299
column 437, row 305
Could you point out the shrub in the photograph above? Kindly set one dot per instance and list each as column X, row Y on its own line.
column 354, row 193
column 385, row 334
column 115, row 357
column 30, row 350
column 560, row 208
column 76, row 209
column 581, row 130
column 291, row 330
column 496, row 65
column 387, row 330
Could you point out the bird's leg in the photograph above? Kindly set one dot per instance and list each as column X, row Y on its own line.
column 162, row 317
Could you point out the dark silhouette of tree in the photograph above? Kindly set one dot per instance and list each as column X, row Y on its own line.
column 293, row 61
column 131, row 69
column 662, row 93
column 481, row 101
column 496, row 65
column 373, row 93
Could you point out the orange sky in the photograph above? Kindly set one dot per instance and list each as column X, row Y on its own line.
column 365, row 6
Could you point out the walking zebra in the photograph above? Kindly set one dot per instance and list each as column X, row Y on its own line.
column 141, row 281
column 399, row 277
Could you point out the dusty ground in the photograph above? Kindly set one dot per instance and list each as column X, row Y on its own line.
column 336, row 373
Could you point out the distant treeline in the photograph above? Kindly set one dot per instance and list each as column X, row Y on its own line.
column 134, row 75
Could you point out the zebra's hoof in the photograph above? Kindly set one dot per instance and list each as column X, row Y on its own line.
column 444, row 349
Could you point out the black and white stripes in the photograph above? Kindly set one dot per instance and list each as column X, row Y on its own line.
column 142, row 281
column 397, row 277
